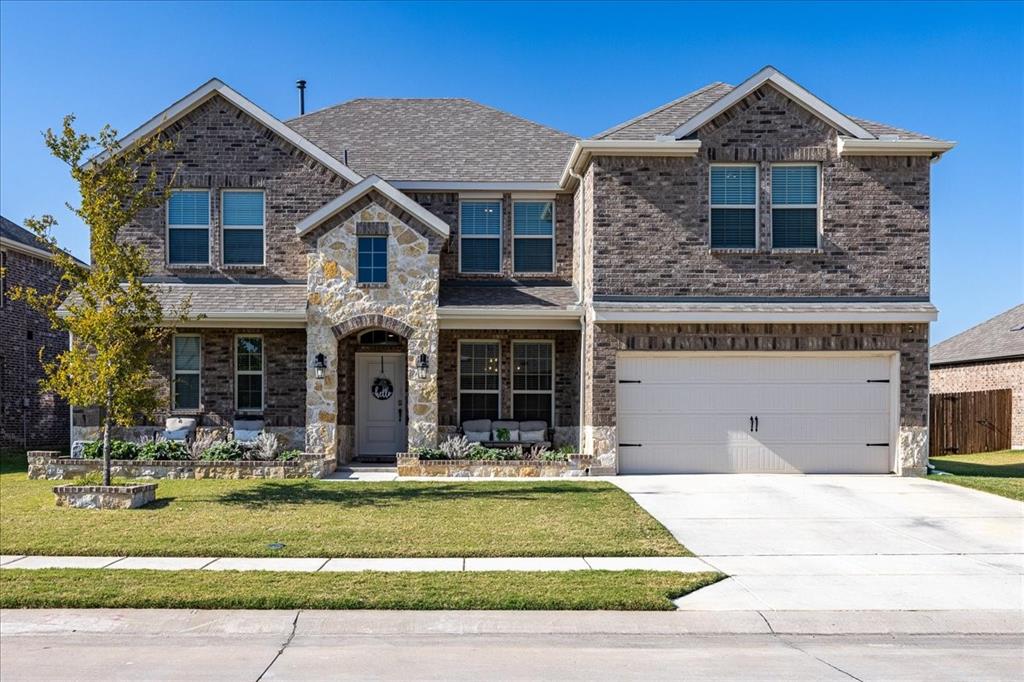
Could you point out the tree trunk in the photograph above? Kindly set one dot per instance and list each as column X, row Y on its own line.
column 106, row 438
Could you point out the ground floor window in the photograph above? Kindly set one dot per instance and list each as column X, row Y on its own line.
column 249, row 373
column 479, row 395
column 533, row 381
column 186, row 359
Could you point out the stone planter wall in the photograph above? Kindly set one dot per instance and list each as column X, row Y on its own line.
column 105, row 497
column 409, row 465
column 51, row 466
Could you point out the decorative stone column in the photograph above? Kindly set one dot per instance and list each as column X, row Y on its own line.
column 321, row 394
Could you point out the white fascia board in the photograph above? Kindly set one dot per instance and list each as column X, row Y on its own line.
column 854, row 147
column 804, row 98
column 496, row 318
column 260, row 320
column 584, row 150
column 35, row 252
column 360, row 189
column 813, row 313
column 451, row 186
column 213, row 87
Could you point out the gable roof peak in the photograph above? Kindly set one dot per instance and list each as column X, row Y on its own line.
column 789, row 87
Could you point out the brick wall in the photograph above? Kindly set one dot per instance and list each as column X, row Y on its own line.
column 218, row 147
column 284, row 381
column 651, row 215
column 446, row 206
column 44, row 421
column 987, row 376
column 566, row 371
column 911, row 340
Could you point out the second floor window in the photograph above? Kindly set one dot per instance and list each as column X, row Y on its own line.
column 242, row 213
column 249, row 373
column 733, row 207
column 480, row 236
column 373, row 260
column 533, row 231
column 186, row 352
column 188, row 227
column 795, row 207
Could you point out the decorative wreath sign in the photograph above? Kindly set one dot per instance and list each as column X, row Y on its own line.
column 382, row 388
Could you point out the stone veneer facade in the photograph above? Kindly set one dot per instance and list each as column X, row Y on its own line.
column 987, row 376
column 339, row 306
column 608, row 340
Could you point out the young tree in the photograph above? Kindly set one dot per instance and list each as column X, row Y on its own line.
column 115, row 321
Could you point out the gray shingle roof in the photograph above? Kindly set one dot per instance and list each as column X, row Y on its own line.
column 437, row 140
column 666, row 118
column 16, row 233
column 1000, row 337
column 230, row 300
column 506, row 295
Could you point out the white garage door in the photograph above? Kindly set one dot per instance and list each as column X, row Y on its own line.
column 721, row 413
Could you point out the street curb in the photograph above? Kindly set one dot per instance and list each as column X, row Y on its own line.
column 175, row 622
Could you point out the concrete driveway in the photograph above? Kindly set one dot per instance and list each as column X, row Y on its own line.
column 842, row 542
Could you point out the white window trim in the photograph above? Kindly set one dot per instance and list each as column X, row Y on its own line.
column 757, row 206
column 554, row 228
column 818, row 222
column 168, row 227
column 224, row 228
column 262, row 373
column 458, row 406
column 499, row 236
column 175, row 372
column 512, row 366
column 387, row 260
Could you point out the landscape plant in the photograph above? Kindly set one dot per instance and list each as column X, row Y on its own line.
column 114, row 319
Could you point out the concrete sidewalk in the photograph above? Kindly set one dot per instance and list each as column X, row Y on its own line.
column 472, row 645
column 324, row 565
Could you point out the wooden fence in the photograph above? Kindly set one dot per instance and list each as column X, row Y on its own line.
column 962, row 423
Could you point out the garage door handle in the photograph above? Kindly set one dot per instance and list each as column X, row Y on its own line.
column 757, row 426
column 630, row 445
column 751, row 424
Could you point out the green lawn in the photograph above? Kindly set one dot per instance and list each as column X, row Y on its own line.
column 1000, row 473
column 336, row 519
column 578, row 590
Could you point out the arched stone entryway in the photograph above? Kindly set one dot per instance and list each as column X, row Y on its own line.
column 339, row 306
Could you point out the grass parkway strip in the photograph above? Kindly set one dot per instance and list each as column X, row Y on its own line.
column 999, row 473
column 499, row 590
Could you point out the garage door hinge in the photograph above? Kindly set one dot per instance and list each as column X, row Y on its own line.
column 877, row 445
column 878, row 381
column 630, row 381
column 630, row 445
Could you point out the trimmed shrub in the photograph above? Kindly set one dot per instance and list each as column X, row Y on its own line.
column 164, row 449
column 224, row 451
column 119, row 449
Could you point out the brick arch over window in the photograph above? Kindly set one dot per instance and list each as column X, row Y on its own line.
column 361, row 322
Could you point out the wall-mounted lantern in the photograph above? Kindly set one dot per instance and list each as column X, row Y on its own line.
column 320, row 365
column 422, row 365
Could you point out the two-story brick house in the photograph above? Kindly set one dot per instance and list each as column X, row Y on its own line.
column 735, row 281
column 28, row 417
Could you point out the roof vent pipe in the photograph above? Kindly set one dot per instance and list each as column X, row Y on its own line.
column 301, row 85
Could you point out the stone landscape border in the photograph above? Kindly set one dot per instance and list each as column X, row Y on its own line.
column 411, row 465
column 105, row 497
column 52, row 466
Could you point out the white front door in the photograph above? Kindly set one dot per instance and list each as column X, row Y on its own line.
column 380, row 404
column 771, row 413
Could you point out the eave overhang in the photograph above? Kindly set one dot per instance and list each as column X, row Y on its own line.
column 810, row 313
column 882, row 147
column 584, row 150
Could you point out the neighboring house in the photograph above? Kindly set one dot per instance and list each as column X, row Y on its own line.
column 28, row 418
column 735, row 281
column 986, row 357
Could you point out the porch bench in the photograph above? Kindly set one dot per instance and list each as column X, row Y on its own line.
column 527, row 434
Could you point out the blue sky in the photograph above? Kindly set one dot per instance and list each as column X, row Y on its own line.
column 951, row 70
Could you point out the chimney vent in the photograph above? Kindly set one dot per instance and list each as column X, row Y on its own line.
column 301, row 85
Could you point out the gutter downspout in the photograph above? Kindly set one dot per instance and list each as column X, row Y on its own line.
column 579, row 302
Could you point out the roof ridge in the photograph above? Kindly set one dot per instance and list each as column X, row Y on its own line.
column 432, row 99
column 658, row 109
